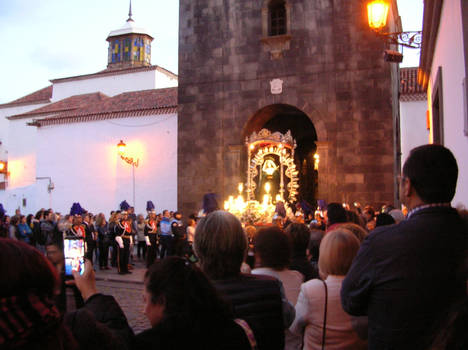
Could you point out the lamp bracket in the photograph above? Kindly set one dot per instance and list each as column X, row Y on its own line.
column 407, row 39
column 130, row 160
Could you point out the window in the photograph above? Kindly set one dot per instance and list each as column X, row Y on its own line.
column 277, row 18
column 438, row 110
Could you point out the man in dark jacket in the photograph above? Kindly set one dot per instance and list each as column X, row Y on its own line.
column 406, row 276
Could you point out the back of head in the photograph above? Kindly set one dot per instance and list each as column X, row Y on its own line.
column 337, row 251
column 433, row 172
column 24, row 270
column 384, row 219
column 29, row 318
column 273, row 247
column 220, row 244
column 335, row 213
column 300, row 237
column 187, row 294
column 316, row 237
column 360, row 232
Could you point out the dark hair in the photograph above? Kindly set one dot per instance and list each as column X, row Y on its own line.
column 314, row 243
column 274, row 247
column 190, row 300
column 29, row 219
column 335, row 213
column 299, row 235
column 433, row 172
column 384, row 219
column 352, row 216
column 25, row 270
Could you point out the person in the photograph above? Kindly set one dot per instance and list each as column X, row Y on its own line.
column 406, row 275
column 336, row 215
column 90, row 236
column 104, row 241
column 49, row 229
column 272, row 253
column 167, row 237
column 55, row 255
column 300, row 235
column 23, row 231
column 30, row 319
column 185, row 311
column 12, row 228
column 123, row 237
column 151, row 238
column 320, row 319
column 179, row 232
column 220, row 245
column 383, row 219
column 359, row 231
column 140, row 235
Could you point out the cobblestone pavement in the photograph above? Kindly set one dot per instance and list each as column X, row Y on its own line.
column 129, row 296
column 128, row 291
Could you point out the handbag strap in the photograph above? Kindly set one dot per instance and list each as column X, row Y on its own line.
column 248, row 332
column 324, row 315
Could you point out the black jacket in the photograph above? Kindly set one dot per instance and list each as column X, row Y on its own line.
column 405, row 277
column 100, row 324
column 257, row 300
column 211, row 336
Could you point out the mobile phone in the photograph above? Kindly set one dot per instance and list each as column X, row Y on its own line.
column 74, row 249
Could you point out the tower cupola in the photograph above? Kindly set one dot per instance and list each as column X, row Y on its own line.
column 129, row 46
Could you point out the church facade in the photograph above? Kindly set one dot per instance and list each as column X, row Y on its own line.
column 61, row 141
column 312, row 67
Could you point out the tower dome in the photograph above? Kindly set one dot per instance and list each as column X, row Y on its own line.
column 129, row 46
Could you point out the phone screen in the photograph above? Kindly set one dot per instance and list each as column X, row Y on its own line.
column 74, row 255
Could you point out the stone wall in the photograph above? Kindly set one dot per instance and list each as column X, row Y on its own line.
column 333, row 71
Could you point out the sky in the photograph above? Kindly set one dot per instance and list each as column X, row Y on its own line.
column 50, row 39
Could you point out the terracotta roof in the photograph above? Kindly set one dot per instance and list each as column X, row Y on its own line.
column 114, row 71
column 67, row 104
column 410, row 90
column 128, row 104
column 40, row 96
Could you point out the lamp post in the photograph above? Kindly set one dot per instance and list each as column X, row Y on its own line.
column 121, row 147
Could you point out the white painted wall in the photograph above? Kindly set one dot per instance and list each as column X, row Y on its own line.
column 113, row 85
column 84, row 165
column 449, row 55
column 4, row 123
column 413, row 128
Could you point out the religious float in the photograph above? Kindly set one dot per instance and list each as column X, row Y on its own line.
column 271, row 178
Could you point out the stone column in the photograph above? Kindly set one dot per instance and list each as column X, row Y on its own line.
column 323, row 170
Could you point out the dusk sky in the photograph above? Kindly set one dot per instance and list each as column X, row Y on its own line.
column 49, row 39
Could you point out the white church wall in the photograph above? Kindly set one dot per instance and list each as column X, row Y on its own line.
column 449, row 55
column 4, row 122
column 112, row 85
column 413, row 126
column 84, row 165
column 164, row 81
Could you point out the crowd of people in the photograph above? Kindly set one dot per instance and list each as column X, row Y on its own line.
column 343, row 277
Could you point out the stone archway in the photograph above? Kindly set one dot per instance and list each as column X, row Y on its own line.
column 284, row 117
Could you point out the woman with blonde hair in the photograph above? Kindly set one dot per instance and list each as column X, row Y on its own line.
column 319, row 315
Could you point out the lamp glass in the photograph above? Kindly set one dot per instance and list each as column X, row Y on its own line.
column 2, row 166
column 121, row 147
column 377, row 12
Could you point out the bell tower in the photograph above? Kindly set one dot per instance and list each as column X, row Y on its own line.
column 129, row 46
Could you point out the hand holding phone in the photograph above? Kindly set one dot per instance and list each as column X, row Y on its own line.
column 86, row 282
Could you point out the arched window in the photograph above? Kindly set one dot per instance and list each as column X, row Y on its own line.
column 277, row 18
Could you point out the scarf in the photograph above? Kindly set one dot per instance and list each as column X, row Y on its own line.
column 23, row 317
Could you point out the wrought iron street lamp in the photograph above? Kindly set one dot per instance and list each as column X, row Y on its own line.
column 121, row 147
column 377, row 14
